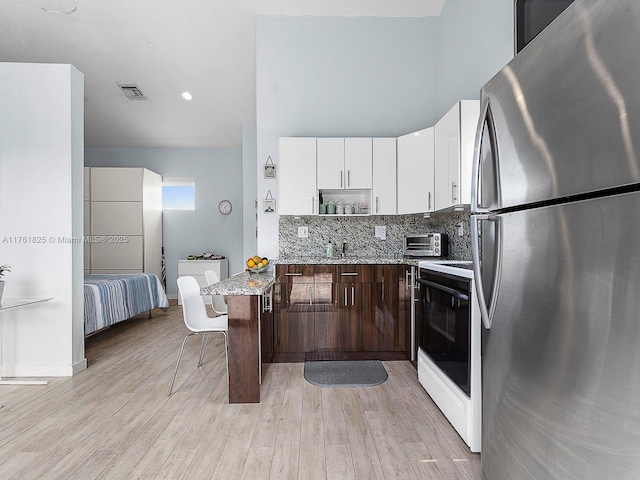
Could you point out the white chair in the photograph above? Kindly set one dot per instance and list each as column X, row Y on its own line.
column 217, row 301
column 197, row 321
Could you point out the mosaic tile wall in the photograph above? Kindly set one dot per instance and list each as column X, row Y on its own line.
column 359, row 233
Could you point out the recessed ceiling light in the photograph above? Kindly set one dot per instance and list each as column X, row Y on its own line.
column 187, row 96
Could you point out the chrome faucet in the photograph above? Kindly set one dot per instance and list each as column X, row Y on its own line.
column 344, row 249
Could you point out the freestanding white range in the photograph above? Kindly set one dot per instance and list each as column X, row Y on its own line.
column 449, row 331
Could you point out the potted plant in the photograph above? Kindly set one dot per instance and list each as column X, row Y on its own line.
column 3, row 270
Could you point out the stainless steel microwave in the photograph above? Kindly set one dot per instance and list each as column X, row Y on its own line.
column 427, row 245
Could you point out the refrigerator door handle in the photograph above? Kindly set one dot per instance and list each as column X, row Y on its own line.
column 476, row 203
column 487, row 309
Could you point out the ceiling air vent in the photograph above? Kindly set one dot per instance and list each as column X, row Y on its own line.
column 132, row 92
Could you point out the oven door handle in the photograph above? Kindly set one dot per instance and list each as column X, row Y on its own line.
column 450, row 291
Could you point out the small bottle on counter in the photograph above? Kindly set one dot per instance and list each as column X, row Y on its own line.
column 329, row 249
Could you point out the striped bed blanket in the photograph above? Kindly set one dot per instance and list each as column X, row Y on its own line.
column 110, row 299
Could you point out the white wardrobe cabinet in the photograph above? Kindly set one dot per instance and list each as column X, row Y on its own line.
column 125, row 220
column 87, row 219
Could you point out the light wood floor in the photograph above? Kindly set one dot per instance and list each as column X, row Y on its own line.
column 115, row 420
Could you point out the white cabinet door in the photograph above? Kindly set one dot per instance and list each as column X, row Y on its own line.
column 117, row 256
column 345, row 163
column 87, row 184
column 416, row 172
column 447, row 155
column 116, row 218
column 454, row 143
column 358, row 163
column 297, row 190
column 330, row 164
column 384, row 177
column 469, row 116
column 111, row 183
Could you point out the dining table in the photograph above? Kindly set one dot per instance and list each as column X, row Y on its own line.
column 7, row 304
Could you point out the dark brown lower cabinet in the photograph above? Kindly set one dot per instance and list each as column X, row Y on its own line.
column 295, row 318
column 350, row 309
column 386, row 329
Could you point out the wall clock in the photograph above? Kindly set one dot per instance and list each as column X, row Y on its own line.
column 225, row 207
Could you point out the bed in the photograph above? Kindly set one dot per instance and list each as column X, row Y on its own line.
column 109, row 299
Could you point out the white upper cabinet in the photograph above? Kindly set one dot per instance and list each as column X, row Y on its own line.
column 454, row 142
column 384, row 177
column 345, row 163
column 358, row 162
column 416, row 172
column 330, row 164
column 297, row 190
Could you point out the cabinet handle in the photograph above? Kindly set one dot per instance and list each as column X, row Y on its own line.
column 429, row 206
column 348, row 178
column 313, row 205
column 346, row 297
column 310, row 296
column 453, row 191
column 353, row 296
column 406, row 279
column 349, row 274
column 377, row 209
column 341, row 179
column 267, row 301
column 298, row 274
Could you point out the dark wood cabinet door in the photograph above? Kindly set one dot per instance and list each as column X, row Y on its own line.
column 389, row 326
column 353, row 303
column 325, row 318
column 356, row 273
column 402, row 342
column 374, row 319
column 295, row 318
column 266, row 330
column 379, row 330
column 294, row 273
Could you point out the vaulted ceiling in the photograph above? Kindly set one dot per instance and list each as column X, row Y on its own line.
column 165, row 47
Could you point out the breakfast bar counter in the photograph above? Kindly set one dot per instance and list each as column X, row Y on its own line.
column 250, row 320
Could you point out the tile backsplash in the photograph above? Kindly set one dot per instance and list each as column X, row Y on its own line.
column 359, row 233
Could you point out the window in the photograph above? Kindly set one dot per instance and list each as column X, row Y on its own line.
column 178, row 194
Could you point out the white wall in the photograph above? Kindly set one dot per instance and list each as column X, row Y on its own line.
column 360, row 76
column 338, row 76
column 41, row 160
column 217, row 174
column 476, row 40
column 249, row 188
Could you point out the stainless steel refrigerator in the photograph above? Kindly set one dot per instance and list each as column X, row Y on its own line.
column 556, row 246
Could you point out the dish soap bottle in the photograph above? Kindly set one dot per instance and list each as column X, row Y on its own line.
column 329, row 249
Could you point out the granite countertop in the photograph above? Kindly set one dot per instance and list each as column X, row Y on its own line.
column 244, row 283
column 354, row 260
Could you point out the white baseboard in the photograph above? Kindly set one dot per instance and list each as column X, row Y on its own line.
column 35, row 371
